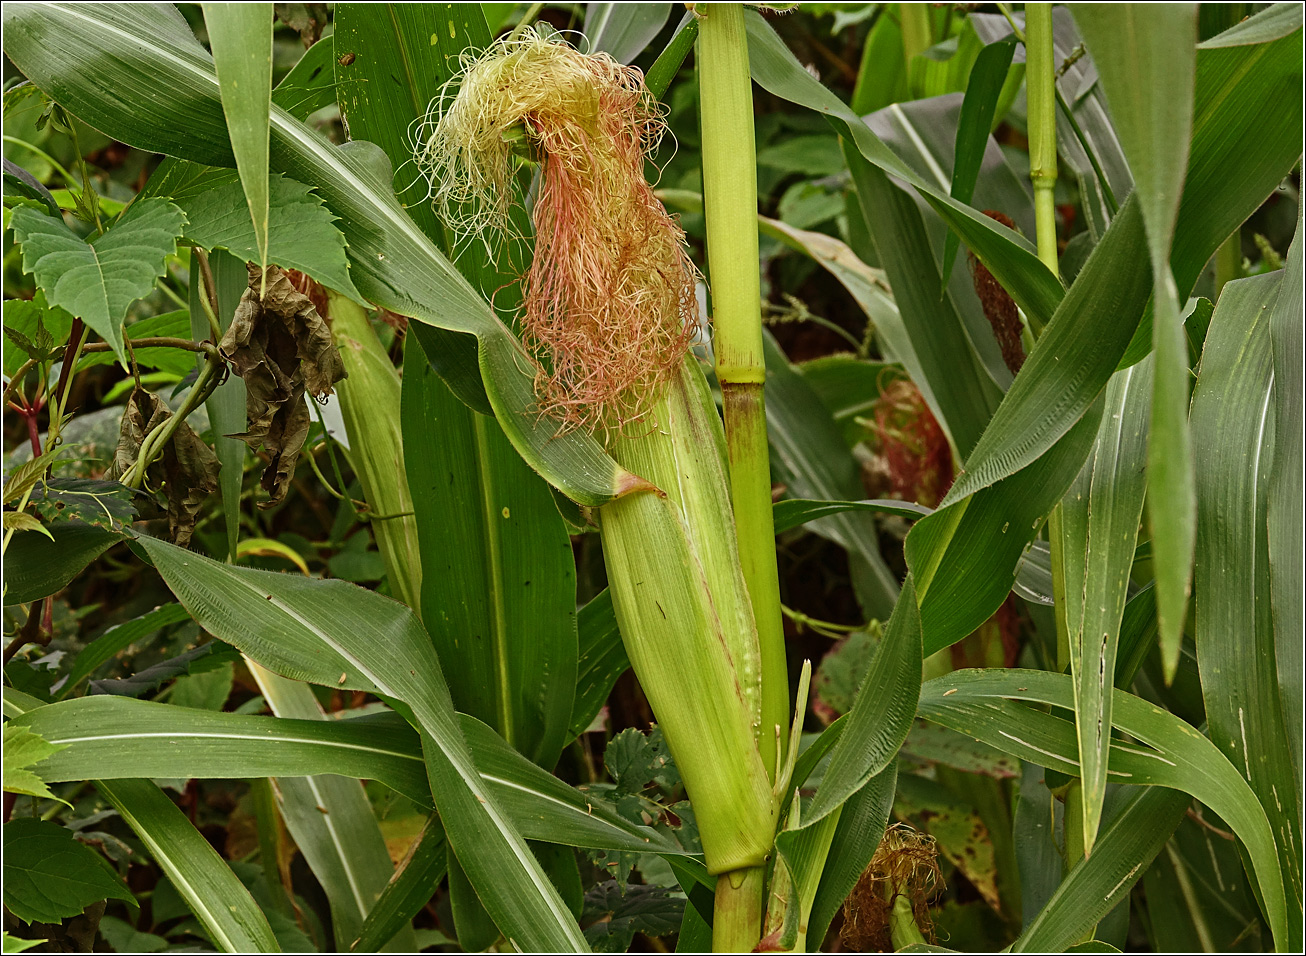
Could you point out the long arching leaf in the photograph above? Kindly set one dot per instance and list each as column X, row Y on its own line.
column 340, row 635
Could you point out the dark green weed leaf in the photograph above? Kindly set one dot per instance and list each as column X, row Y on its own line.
column 49, row 876
column 614, row 914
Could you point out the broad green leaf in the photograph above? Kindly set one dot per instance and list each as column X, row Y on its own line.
column 985, row 705
column 1146, row 56
column 217, row 898
column 1284, row 509
column 988, row 75
column 331, row 821
column 623, row 30
column 1234, row 435
column 49, row 876
column 966, row 393
column 409, row 891
column 36, row 567
column 1100, row 518
column 97, row 280
column 881, row 715
column 1277, row 20
column 22, row 749
column 15, row 944
column 301, row 233
column 326, row 632
column 240, row 35
column 113, row 737
column 1095, row 884
column 498, row 576
column 394, row 264
column 809, row 452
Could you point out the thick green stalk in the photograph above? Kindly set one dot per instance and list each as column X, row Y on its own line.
column 737, row 916
column 730, row 204
column 369, row 404
column 1040, row 89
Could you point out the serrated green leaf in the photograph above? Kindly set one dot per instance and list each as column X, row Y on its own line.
column 98, row 280
column 22, row 521
column 24, row 319
column 23, row 749
column 13, row 944
column 49, row 876
column 302, row 233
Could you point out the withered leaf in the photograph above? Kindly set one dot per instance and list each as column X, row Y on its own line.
column 187, row 469
column 282, row 348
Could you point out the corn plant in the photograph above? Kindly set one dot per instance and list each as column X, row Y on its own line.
column 431, row 297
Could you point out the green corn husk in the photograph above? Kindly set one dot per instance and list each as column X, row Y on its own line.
column 687, row 622
column 369, row 404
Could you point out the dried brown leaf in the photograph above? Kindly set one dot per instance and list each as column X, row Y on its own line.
column 187, row 469
column 282, row 348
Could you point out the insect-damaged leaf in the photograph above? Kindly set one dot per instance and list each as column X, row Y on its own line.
column 282, row 348
column 188, row 468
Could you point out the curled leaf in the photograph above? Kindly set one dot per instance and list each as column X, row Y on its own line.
column 187, row 469
column 282, row 348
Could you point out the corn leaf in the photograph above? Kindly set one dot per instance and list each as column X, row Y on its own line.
column 409, row 891
column 809, row 452
column 987, row 78
column 240, row 35
column 1146, row 56
column 985, row 705
column 881, row 715
column 217, row 898
column 1284, row 509
column 1100, row 518
column 1234, row 434
column 1097, row 883
column 967, row 394
column 497, row 567
column 328, row 632
column 623, row 30
column 331, row 821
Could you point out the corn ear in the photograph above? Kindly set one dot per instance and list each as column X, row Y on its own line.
column 686, row 620
column 369, row 404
